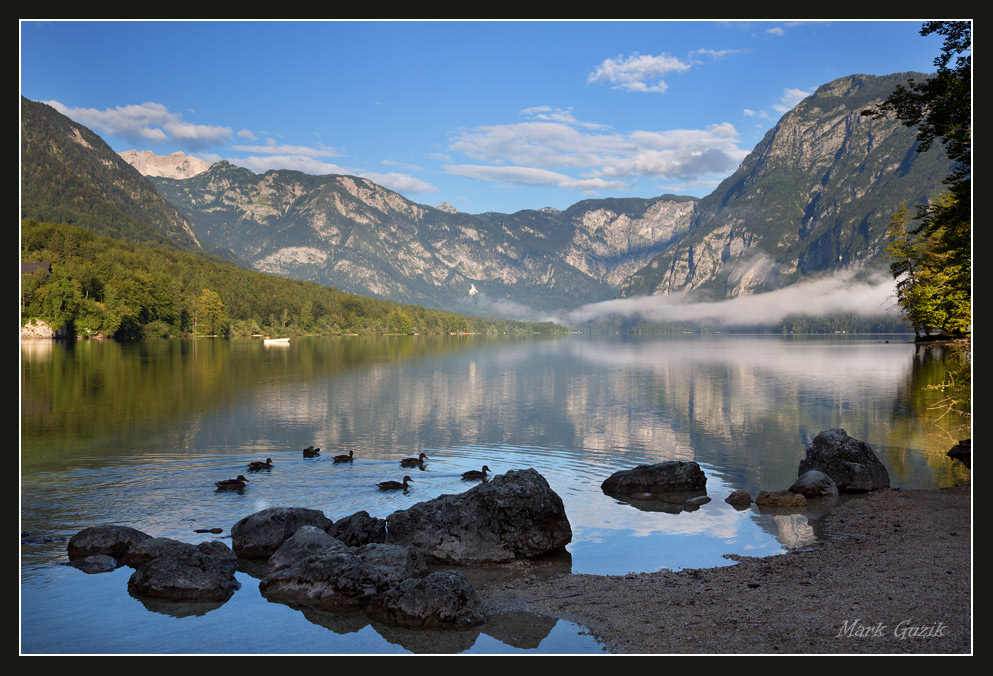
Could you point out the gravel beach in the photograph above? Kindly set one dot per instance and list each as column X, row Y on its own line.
column 894, row 577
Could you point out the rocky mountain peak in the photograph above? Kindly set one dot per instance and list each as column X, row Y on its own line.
column 174, row 165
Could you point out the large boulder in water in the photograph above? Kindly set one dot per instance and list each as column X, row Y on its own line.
column 259, row 535
column 109, row 539
column 850, row 463
column 444, row 599
column 512, row 516
column 673, row 476
column 185, row 574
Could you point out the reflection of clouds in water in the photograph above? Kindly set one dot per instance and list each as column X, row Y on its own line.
column 869, row 364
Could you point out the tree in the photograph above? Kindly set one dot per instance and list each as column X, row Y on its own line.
column 941, row 107
column 210, row 316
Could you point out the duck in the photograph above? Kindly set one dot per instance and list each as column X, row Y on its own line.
column 394, row 485
column 474, row 474
column 258, row 464
column 413, row 462
column 343, row 458
column 311, row 452
column 228, row 484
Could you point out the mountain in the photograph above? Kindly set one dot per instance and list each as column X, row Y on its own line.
column 814, row 196
column 350, row 233
column 70, row 175
column 174, row 165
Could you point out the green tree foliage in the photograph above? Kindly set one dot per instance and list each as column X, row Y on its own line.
column 933, row 260
column 103, row 286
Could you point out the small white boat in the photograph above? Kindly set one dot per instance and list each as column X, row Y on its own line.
column 276, row 341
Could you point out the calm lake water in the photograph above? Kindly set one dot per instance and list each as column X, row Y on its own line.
column 137, row 434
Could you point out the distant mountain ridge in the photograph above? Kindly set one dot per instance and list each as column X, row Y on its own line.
column 813, row 197
column 348, row 232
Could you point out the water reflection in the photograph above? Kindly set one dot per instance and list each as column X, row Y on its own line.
column 138, row 434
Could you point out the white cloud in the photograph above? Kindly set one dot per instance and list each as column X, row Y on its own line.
column 775, row 31
column 271, row 147
column 539, row 153
column 246, row 134
column 717, row 54
column 531, row 176
column 146, row 123
column 638, row 72
column 401, row 183
column 790, row 98
column 755, row 113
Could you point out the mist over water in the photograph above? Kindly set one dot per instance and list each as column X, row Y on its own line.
column 842, row 293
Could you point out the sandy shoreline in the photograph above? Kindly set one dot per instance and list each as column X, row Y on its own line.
column 896, row 577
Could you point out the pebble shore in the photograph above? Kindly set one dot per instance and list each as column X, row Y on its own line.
column 895, row 577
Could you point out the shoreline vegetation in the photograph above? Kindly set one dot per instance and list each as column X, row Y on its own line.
column 893, row 577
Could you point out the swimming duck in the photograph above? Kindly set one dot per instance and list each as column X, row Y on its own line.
column 414, row 462
column 257, row 465
column 228, row 484
column 311, row 452
column 343, row 458
column 394, row 485
column 473, row 474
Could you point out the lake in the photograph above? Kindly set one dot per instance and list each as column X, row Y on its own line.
column 137, row 434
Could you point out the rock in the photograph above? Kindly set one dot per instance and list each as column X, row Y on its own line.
column 108, row 539
column 397, row 562
column 329, row 581
column 512, row 516
column 142, row 552
column 962, row 451
column 441, row 600
column 223, row 555
column 814, row 484
column 850, row 463
column 359, row 529
column 307, row 541
column 697, row 501
column 739, row 498
column 259, row 535
column 663, row 477
column 780, row 499
column 185, row 574
column 95, row 563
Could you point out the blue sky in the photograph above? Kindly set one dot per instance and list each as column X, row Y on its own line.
column 488, row 116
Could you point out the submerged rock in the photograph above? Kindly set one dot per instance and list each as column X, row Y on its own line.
column 259, row 535
column 109, row 539
column 665, row 477
column 739, row 498
column 95, row 563
column 780, row 499
column 512, row 516
column 441, row 600
column 850, row 463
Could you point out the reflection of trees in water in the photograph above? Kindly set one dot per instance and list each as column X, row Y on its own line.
column 923, row 425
